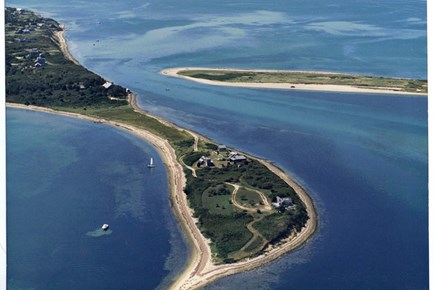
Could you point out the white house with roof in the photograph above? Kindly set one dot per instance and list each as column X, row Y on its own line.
column 236, row 157
column 282, row 201
column 107, row 85
column 205, row 162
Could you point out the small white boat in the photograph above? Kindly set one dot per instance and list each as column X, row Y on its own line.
column 151, row 165
column 105, row 227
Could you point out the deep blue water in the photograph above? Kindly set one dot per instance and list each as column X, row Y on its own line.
column 363, row 158
column 66, row 178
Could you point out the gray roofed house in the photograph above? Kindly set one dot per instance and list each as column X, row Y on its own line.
column 238, row 158
column 222, row 148
column 205, row 161
column 283, row 201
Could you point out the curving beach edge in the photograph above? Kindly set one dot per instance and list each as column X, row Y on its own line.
column 174, row 72
column 200, row 269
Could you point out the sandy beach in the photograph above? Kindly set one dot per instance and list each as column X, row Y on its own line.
column 200, row 269
column 63, row 45
column 173, row 72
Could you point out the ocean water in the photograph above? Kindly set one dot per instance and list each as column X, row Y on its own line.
column 67, row 177
column 362, row 157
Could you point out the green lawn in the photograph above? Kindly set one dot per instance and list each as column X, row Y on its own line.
column 217, row 200
column 248, row 198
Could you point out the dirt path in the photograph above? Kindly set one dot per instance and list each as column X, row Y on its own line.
column 256, row 234
column 196, row 139
column 189, row 167
column 234, row 200
column 266, row 205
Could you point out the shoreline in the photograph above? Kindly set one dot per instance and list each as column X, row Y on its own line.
column 60, row 35
column 173, row 72
column 200, row 269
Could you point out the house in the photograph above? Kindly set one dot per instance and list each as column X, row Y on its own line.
column 33, row 52
column 107, row 85
column 222, row 148
column 233, row 153
column 285, row 202
column 205, row 161
column 238, row 158
column 40, row 59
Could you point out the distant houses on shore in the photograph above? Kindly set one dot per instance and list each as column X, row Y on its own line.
column 232, row 156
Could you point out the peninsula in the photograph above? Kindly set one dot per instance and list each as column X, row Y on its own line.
column 300, row 80
column 237, row 211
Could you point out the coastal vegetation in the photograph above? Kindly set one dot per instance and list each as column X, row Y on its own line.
column 240, row 204
column 39, row 74
column 308, row 78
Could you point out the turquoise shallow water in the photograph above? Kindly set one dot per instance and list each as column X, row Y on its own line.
column 363, row 158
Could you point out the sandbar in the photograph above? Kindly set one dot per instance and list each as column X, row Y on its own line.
column 173, row 72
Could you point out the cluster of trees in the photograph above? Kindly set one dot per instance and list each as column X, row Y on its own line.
column 278, row 226
column 221, row 190
column 225, row 76
column 228, row 233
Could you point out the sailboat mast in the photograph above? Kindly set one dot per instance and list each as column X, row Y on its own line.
column 151, row 164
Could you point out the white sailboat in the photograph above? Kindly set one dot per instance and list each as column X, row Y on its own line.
column 151, row 165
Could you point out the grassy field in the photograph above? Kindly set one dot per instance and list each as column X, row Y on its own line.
column 248, row 198
column 62, row 85
column 217, row 199
column 126, row 114
column 407, row 85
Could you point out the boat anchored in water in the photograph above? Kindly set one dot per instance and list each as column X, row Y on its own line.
column 151, row 164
